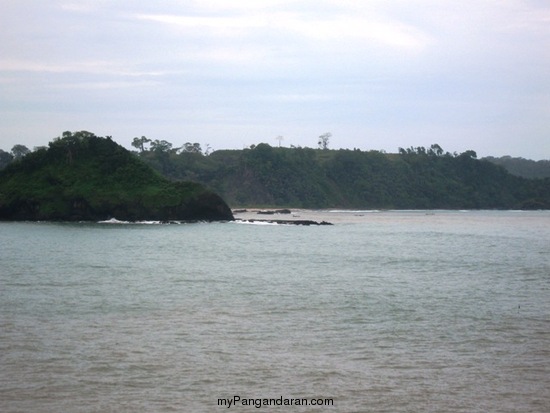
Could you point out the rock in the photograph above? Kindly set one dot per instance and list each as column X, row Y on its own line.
column 288, row 221
column 276, row 211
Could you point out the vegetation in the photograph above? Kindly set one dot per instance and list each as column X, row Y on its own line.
column 523, row 167
column 84, row 177
column 416, row 178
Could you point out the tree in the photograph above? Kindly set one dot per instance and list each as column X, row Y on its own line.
column 139, row 143
column 5, row 158
column 436, row 150
column 71, row 143
column 469, row 154
column 18, row 151
column 160, row 146
column 324, row 140
column 192, row 147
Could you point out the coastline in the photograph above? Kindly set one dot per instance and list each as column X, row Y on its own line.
column 353, row 216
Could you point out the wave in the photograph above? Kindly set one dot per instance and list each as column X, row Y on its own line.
column 118, row 222
column 353, row 211
column 113, row 221
column 246, row 222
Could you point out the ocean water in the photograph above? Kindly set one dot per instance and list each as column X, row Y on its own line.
column 391, row 311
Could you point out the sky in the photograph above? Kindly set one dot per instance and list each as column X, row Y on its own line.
column 376, row 74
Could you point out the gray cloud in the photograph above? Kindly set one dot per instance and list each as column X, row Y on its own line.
column 377, row 74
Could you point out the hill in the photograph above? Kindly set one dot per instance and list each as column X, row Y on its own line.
column 526, row 168
column 414, row 178
column 84, row 177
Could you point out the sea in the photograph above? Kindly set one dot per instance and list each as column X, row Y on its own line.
column 383, row 311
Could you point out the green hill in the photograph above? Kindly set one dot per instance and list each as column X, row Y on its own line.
column 414, row 178
column 84, row 177
column 523, row 167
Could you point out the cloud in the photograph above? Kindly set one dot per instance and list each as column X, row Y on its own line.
column 99, row 85
column 284, row 25
column 400, row 70
column 91, row 67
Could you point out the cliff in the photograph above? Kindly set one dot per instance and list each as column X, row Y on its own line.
column 83, row 177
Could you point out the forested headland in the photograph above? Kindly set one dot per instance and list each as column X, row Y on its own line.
column 413, row 178
column 80, row 176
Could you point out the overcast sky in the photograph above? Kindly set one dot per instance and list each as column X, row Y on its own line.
column 467, row 74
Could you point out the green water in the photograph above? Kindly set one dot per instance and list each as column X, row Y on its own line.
column 384, row 311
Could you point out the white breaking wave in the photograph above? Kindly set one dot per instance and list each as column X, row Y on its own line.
column 113, row 221
column 351, row 211
column 118, row 222
column 254, row 222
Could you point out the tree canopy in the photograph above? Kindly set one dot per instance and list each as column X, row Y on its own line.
column 81, row 176
column 262, row 175
column 416, row 177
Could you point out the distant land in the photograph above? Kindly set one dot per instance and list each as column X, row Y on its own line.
column 82, row 177
column 523, row 167
column 413, row 178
